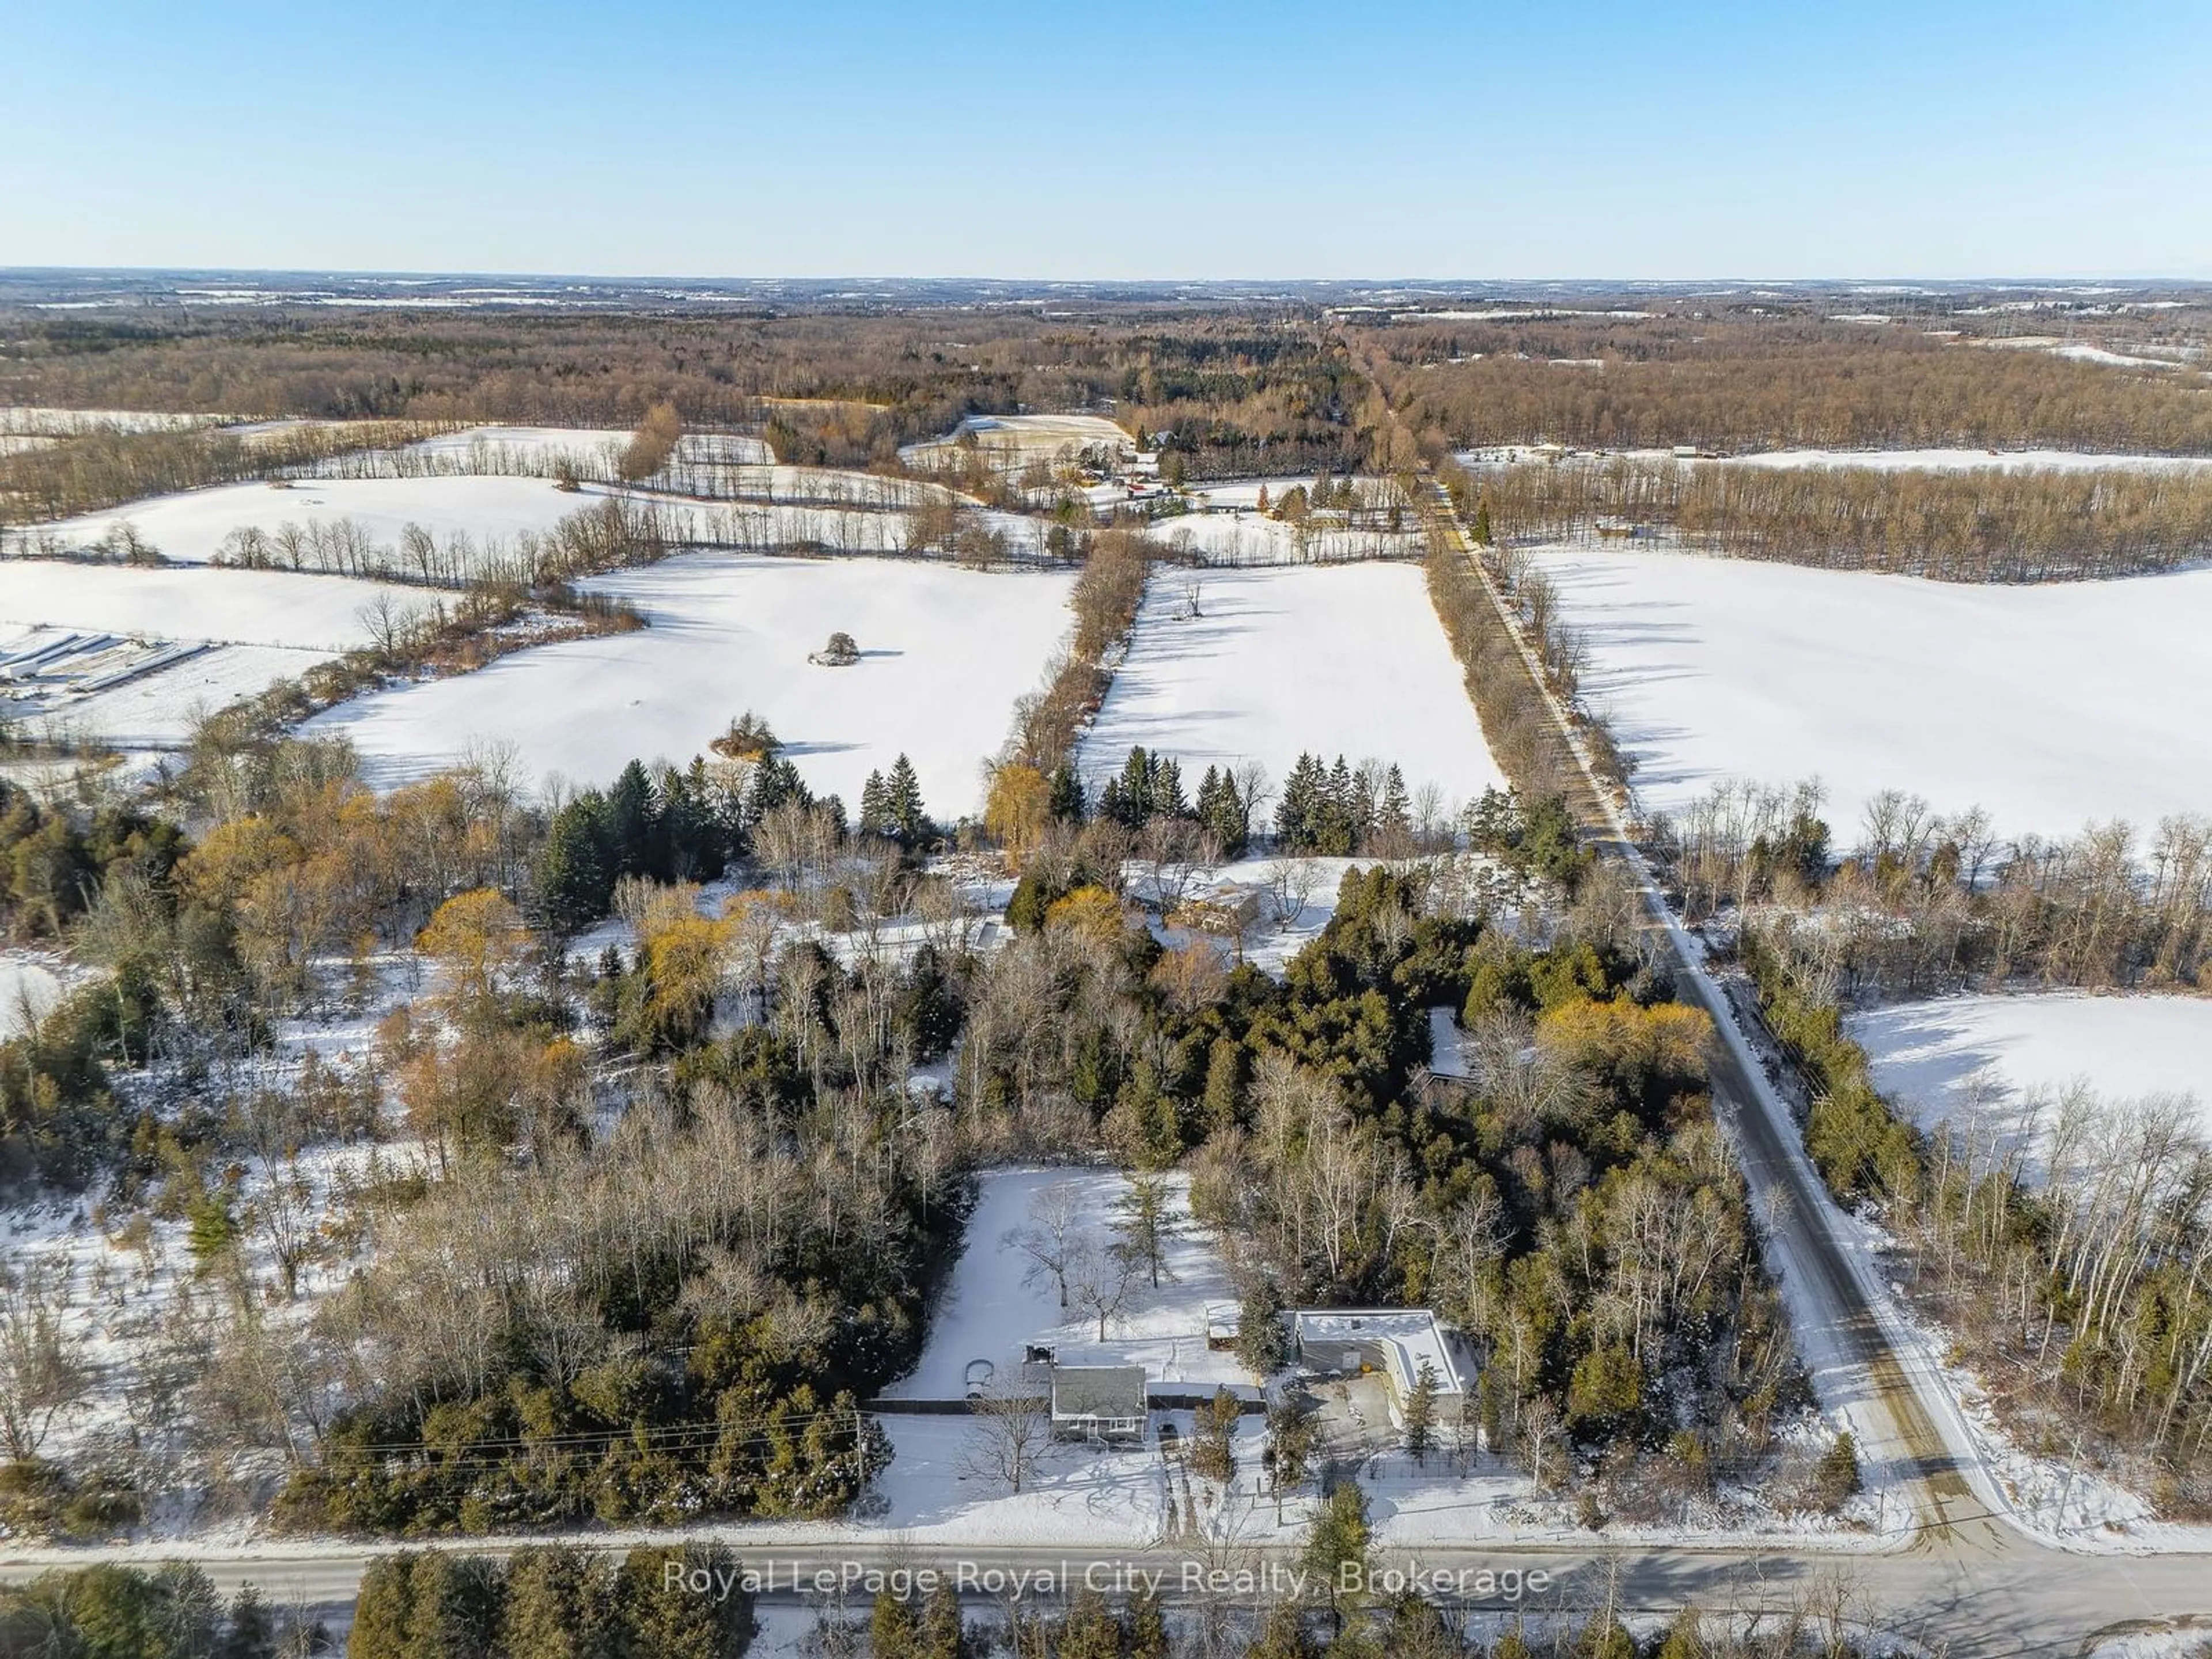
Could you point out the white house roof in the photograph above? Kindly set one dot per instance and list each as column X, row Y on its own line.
column 1405, row 1337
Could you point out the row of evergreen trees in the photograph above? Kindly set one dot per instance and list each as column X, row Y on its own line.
column 547, row 1601
column 692, row 824
column 670, row 825
column 1335, row 811
column 892, row 807
column 1150, row 786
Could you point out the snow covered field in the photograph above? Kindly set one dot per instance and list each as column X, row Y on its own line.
column 2050, row 705
column 1342, row 659
column 945, row 653
column 190, row 527
column 992, row 1308
column 1011, row 440
column 1934, row 1057
column 67, row 634
column 243, row 607
column 1235, row 538
column 1970, row 460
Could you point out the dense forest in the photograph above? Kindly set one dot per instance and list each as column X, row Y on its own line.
column 2010, row 525
column 1226, row 394
column 1738, row 384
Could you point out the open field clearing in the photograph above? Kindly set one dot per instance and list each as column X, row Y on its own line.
column 153, row 702
column 993, row 1307
column 1236, row 536
column 1286, row 660
column 1936, row 1058
column 129, row 656
column 242, row 607
column 1969, row 460
column 1008, row 441
column 191, row 528
column 1879, row 460
column 2049, row 706
column 944, row 653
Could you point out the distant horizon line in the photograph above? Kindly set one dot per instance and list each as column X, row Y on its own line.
column 463, row 273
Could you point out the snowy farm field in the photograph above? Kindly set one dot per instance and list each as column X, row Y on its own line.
column 1283, row 660
column 126, row 655
column 191, row 528
column 239, row 607
column 944, row 653
column 1937, row 1058
column 2049, row 706
column 1013, row 441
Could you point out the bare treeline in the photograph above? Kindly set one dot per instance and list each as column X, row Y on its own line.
column 1106, row 599
column 1741, row 386
column 1986, row 524
column 611, row 534
column 2067, row 1241
column 1925, row 902
column 105, row 466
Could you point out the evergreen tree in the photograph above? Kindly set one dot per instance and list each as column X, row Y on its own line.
column 1148, row 1628
column 1135, row 807
column 559, row 1604
column 1363, row 805
column 631, row 820
column 1089, row 1630
column 1482, row 530
column 1223, row 1099
column 941, row 1636
column 903, row 800
column 381, row 1607
column 1298, row 813
column 1065, row 801
column 251, row 1632
column 1394, row 817
column 1221, row 812
column 1337, row 1550
column 890, row 1628
column 1337, row 831
column 1168, row 800
column 875, row 806
column 1421, row 1411
column 682, row 1625
column 774, row 783
column 453, row 1610
column 575, row 871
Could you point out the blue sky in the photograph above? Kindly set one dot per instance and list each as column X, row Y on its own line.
column 1200, row 139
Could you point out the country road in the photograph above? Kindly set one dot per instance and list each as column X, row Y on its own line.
column 1967, row 1579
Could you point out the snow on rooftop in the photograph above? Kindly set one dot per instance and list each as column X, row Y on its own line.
column 1405, row 1338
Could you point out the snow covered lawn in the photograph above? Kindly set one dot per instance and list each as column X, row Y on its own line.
column 1934, row 1057
column 2050, row 705
column 1344, row 660
column 190, row 527
column 993, row 1307
column 1075, row 1495
column 944, row 653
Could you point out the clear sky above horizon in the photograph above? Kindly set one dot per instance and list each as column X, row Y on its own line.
column 1964, row 139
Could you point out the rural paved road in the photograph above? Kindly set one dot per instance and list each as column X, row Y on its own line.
column 1971, row 1583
